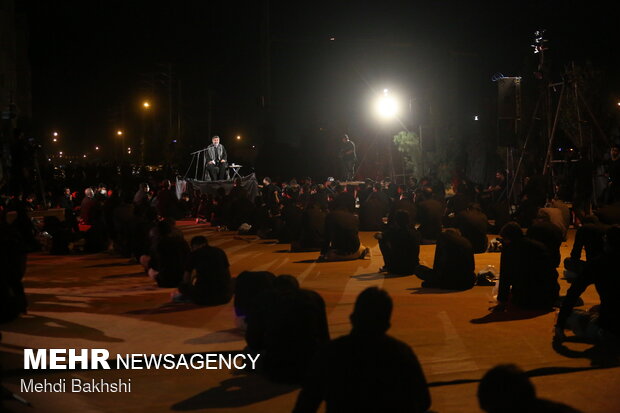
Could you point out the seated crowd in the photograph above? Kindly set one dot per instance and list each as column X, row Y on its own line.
column 287, row 324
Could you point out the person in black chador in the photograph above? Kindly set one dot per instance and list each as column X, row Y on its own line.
column 366, row 370
column 217, row 160
column 348, row 158
column 528, row 275
column 473, row 225
column 453, row 266
column 207, row 278
column 341, row 242
column 312, row 227
column 430, row 213
column 400, row 246
column 168, row 263
column 287, row 326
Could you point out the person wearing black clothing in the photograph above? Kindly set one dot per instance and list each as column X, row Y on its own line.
column 217, row 160
column 348, row 158
column 400, row 246
column 168, row 263
column 533, row 198
column 382, row 196
column 473, row 225
column 603, row 273
column 312, row 227
column 583, row 174
column 366, row 370
column 404, row 203
column 291, row 217
column 589, row 237
column 528, row 275
column 550, row 235
column 270, row 196
column 167, row 201
column 66, row 202
column 13, row 254
column 207, row 277
column 507, row 389
column 342, row 241
column 430, row 213
column 248, row 286
column 453, row 266
column 372, row 212
column 287, row 326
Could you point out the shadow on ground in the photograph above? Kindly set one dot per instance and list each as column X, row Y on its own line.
column 512, row 315
column 377, row 276
column 165, row 308
column 426, row 290
column 599, row 354
column 243, row 390
column 40, row 326
column 222, row 336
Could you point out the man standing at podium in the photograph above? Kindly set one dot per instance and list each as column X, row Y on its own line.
column 217, row 164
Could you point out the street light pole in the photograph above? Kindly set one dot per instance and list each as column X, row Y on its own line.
column 145, row 107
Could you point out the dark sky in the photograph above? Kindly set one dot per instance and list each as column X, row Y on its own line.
column 93, row 61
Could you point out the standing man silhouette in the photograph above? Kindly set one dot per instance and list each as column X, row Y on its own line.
column 348, row 158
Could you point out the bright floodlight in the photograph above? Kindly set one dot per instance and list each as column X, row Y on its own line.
column 387, row 107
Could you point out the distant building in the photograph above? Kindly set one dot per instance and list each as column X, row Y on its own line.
column 15, row 79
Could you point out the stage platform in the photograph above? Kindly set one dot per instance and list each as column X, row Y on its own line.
column 102, row 301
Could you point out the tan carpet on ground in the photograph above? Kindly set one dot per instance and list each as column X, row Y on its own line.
column 101, row 301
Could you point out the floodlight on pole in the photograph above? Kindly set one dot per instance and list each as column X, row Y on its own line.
column 387, row 106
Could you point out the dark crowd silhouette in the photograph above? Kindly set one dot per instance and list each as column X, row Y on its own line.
column 135, row 216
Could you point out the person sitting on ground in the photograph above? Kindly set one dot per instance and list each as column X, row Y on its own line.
column 507, row 389
column 547, row 232
column 400, row 246
column 207, row 277
column 453, row 266
column 602, row 322
column 372, row 212
column 366, row 370
column 473, row 224
column 342, row 241
column 430, row 213
column 167, row 265
column 404, row 202
column 248, row 285
column 312, row 227
column 287, row 326
column 528, row 276
column 554, row 215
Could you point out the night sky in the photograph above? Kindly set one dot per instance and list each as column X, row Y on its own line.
column 94, row 61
